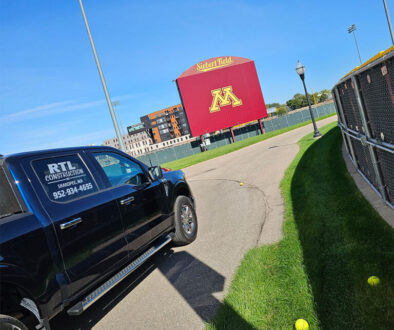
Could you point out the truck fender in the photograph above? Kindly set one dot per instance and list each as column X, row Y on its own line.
column 180, row 188
column 25, row 301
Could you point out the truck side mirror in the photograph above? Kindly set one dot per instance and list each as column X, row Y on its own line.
column 155, row 172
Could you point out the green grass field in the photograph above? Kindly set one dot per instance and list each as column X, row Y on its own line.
column 333, row 241
column 201, row 157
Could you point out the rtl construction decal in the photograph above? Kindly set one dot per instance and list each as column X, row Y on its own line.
column 219, row 93
column 64, row 178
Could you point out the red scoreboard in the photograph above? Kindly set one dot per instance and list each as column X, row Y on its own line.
column 220, row 93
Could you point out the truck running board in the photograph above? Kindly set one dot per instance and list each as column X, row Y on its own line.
column 90, row 299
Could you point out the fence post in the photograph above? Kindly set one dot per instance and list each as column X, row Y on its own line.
column 338, row 107
column 175, row 154
column 368, row 135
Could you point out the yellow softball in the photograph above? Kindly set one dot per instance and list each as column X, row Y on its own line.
column 301, row 324
column 241, row 183
column 373, row 281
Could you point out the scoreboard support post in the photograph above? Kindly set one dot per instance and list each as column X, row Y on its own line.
column 261, row 126
column 203, row 146
column 232, row 134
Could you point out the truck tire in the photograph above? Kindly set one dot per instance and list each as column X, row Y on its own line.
column 185, row 221
column 10, row 323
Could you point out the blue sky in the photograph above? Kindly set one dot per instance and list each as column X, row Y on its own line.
column 50, row 92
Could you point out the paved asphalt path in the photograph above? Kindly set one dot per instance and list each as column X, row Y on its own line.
column 181, row 288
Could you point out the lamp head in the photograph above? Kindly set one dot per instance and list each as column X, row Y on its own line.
column 300, row 70
column 351, row 28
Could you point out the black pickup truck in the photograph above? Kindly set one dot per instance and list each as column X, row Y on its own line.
column 75, row 222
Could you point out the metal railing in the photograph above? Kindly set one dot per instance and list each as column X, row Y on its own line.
column 364, row 101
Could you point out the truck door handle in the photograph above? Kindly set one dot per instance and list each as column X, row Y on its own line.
column 127, row 200
column 71, row 223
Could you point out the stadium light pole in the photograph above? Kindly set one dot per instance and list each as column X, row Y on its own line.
column 117, row 115
column 111, row 110
column 350, row 29
column 388, row 21
column 301, row 72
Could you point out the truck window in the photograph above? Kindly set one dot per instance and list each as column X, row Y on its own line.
column 64, row 178
column 8, row 202
column 120, row 170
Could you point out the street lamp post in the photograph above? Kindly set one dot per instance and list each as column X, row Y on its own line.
column 111, row 110
column 301, row 72
column 350, row 29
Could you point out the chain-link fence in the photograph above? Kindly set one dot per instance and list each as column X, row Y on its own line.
column 364, row 101
column 218, row 140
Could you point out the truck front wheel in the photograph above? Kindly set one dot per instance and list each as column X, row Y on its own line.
column 10, row 323
column 185, row 221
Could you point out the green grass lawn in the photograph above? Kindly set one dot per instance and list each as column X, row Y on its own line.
column 201, row 157
column 333, row 241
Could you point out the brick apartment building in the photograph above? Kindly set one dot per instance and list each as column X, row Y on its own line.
column 136, row 144
column 166, row 124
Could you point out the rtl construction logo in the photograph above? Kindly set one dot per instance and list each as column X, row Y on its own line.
column 222, row 97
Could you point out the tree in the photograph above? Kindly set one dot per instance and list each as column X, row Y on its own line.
column 324, row 94
column 298, row 101
column 272, row 105
column 323, row 97
column 281, row 111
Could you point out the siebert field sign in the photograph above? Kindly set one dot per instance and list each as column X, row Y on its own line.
column 220, row 93
column 214, row 64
